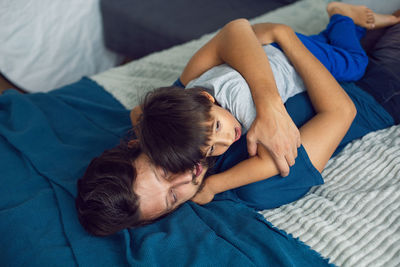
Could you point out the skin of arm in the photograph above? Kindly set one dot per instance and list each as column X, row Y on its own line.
column 237, row 45
column 320, row 136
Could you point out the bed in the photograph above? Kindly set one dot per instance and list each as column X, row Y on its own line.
column 47, row 140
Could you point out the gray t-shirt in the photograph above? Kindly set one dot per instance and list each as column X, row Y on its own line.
column 232, row 92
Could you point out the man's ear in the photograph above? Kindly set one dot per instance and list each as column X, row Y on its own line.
column 209, row 96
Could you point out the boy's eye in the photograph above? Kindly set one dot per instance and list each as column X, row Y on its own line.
column 217, row 125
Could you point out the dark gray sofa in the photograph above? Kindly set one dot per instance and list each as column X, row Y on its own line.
column 135, row 28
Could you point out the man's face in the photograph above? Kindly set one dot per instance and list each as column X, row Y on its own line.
column 161, row 192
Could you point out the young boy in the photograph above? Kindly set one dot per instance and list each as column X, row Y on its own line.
column 170, row 111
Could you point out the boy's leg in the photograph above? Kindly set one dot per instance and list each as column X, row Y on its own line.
column 341, row 32
column 362, row 15
column 338, row 48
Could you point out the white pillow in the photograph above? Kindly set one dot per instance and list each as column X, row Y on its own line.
column 46, row 44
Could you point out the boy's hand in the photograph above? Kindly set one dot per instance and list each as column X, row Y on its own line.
column 276, row 131
column 204, row 196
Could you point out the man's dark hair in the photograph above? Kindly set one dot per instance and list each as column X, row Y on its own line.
column 173, row 127
column 106, row 202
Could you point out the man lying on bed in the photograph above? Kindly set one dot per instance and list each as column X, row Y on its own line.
column 320, row 137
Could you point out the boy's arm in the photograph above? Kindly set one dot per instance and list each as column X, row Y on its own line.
column 249, row 171
column 237, row 45
column 320, row 136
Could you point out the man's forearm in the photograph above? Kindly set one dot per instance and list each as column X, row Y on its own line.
column 237, row 45
column 252, row 63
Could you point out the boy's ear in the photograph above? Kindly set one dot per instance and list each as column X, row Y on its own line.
column 210, row 97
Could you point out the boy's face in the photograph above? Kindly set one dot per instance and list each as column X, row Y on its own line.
column 161, row 192
column 225, row 130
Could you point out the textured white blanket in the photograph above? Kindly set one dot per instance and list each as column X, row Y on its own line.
column 354, row 218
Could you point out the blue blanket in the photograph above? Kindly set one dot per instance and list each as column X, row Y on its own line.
column 46, row 142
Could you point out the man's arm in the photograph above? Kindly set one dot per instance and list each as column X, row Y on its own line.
column 238, row 45
column 235, row 44
column 321, row 135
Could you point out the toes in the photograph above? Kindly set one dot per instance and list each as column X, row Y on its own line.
column 397, row 13
column 370, row 13
column 369, row 17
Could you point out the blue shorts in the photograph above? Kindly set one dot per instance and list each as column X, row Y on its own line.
column 338, row 48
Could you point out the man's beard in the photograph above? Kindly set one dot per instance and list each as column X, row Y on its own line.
column 206, row 163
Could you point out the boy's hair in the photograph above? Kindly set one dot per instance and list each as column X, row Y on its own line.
column 106, row 202
column 173, row 127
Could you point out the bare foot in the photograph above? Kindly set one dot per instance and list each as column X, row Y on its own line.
column 362, row 15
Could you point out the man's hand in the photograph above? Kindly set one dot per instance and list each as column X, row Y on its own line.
column 276, row 131
column 205, row 195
